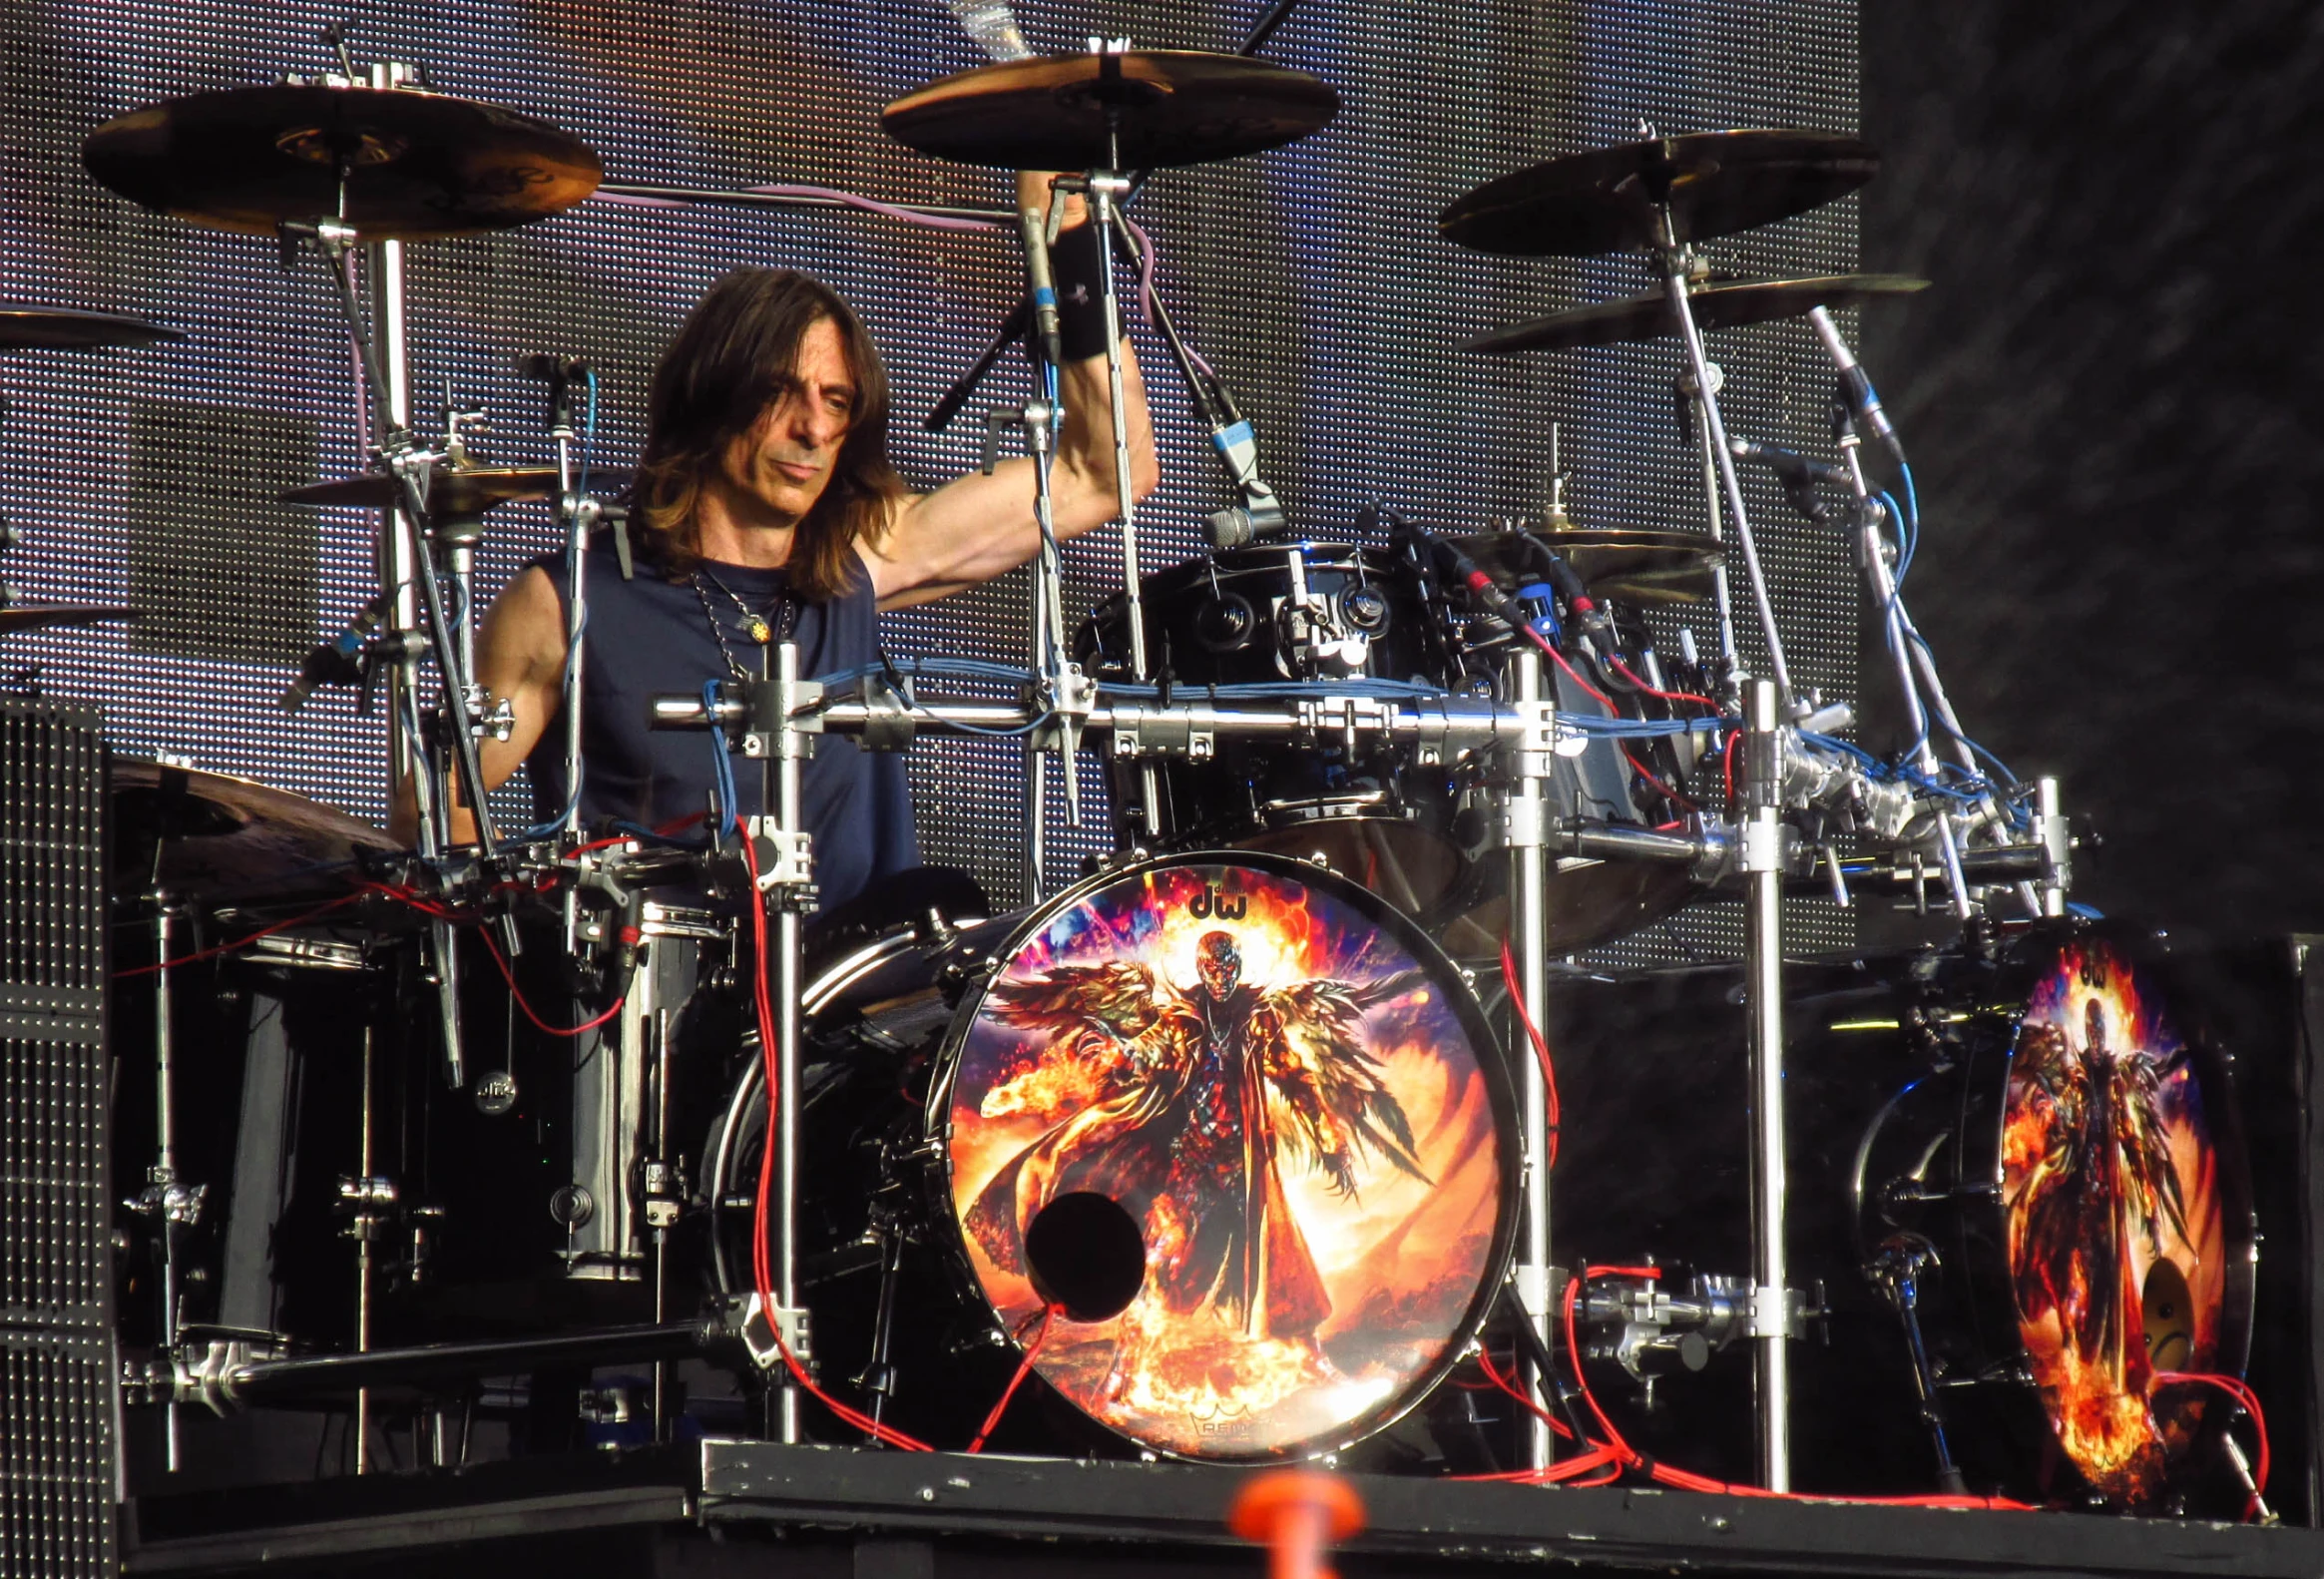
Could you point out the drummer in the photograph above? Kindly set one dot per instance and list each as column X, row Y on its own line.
column 766, row 511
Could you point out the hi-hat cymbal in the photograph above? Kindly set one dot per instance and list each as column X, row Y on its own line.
column 1715, row 183
column 1623, row 564
column 466, row 492
column 15, row 617
column 206, row 837
column 419, row 166
column 74, row 329
column 1172, row 107
column 1720, row 305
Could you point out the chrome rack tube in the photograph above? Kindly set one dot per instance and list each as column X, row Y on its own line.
column 787, row 881
column 1774, row 1317
column 1526, row 755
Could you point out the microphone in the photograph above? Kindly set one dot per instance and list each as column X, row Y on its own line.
column 1232, row 436
column 1480, row 585
column 1855, row 388
column 553, row 366
column 1045, row 322
column 1793, row 467
column 334, row 663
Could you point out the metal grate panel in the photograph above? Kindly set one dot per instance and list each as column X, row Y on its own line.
column 56, row 1340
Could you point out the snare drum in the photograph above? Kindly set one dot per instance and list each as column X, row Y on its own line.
column 1220, row 1143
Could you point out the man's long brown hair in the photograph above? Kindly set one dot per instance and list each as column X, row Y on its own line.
column 717, row 378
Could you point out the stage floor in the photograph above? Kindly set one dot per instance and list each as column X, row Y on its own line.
column 753, row 1507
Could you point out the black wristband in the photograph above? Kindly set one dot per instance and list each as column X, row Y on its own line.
column 1077, row 262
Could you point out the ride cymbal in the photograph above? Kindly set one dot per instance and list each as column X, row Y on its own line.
column 1639, row 565
column 1172, row 107
column 1602, row 201
column 1720, row 305
column 466, row 492
column 15, row 617
column 74, row 329
column 419, row 166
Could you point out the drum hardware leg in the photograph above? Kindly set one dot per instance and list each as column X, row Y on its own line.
column 879, row 1377
column 1896, row 1270
column 167, row 1201
column 2057, row 836
column 1523, row 834
column 1763, row 863
column 1675, row 259
column 665, row 1192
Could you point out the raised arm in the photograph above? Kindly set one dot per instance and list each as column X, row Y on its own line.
column 976, row 527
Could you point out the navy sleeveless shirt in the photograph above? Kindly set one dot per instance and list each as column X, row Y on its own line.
column 650, row 636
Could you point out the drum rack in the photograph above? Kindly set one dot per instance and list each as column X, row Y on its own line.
column 773, row 719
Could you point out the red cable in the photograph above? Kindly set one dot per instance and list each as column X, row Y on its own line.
column 1624, row 670
column 1728, row 757
column 1540, row 1048
column 1606, row 701
column 2240, row 1390
column 1024, row 1369
column 227, row 948
column 540, row 1024
column 761, row 1264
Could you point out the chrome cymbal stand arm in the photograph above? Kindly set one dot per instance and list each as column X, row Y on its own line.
column 1775, row 1318
column 170, row 1205
column 1041, row 418
column 1722, row 595
column 1523, row 831
column 1672, row 257
column 1107, row 187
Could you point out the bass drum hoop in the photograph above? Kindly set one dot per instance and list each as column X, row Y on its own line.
column 1957, row 1125
column 1491, row 1063
column 992, row 943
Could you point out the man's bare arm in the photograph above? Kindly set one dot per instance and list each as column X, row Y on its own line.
column 520, row 655
column 977, row 527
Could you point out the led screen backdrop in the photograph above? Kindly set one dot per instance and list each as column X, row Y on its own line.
column 1312, row 276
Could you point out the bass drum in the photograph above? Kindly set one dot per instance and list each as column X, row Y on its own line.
column 1221, row 1141
column 2046, row 1127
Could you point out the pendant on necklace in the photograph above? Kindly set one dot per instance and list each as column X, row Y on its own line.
column 758, row 629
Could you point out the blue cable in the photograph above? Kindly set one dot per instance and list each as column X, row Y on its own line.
column 728, row 808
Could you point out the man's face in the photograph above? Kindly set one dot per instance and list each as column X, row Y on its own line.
column 784, row 461
column 1219, row 962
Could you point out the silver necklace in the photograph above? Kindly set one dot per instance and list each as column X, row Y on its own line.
column 755, row 626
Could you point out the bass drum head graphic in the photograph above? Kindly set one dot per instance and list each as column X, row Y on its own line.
column 1231, row 1151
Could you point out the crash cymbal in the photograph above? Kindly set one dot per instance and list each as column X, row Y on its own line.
column 1176, row 107
column 204, row 836
column 467, row 491
column 1621, row 565
column 1717, row 182
column 419, row 166
column 15, row 617
column 1720, row 305
column 72, row 328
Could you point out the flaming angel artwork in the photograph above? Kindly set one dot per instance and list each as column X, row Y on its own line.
column 1291, row 1108
column 2110, row 1178
column 1205, row 1094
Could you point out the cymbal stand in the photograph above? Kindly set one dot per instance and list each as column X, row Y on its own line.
column 1723, row 596
column 1041, row 418
column 170, row 1204
column 1523, row 831
column 1106, row 189
column 1673, row 257
column 405, row 460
